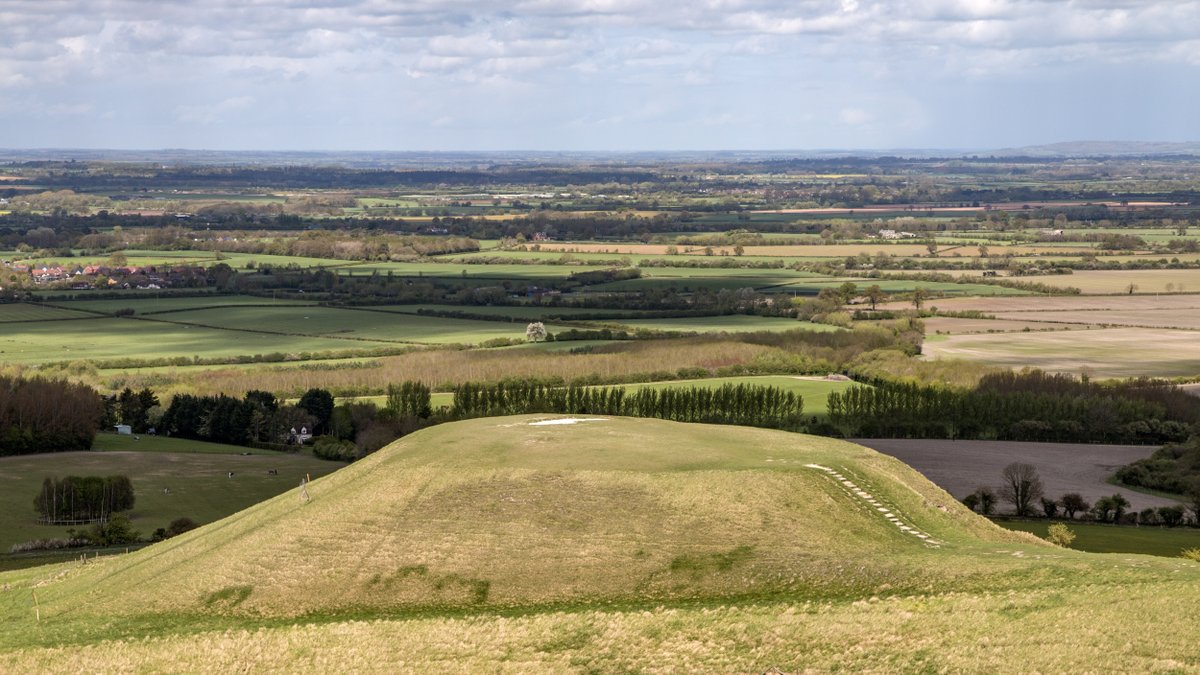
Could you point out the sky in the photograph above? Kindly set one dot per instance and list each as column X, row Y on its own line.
column 606, row 75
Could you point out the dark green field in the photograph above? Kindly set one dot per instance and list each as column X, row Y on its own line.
column 1097, row 538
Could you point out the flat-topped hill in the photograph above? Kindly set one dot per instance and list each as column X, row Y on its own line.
column 554, row 519
column 536, row 510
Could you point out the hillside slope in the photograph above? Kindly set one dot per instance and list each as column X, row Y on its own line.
column 556, row 521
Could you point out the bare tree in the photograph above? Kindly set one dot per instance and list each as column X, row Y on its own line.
column 1021, row 486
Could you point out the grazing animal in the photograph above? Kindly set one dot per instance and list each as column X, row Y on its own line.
column 272, row 472
column 231, row 474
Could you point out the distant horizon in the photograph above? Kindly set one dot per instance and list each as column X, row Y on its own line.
column 1129, row 146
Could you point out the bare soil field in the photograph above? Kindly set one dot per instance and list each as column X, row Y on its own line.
column 1153, row 318
column 953, row 326
column 1118, row 281
column 1013, row 206
column 960, row 467
column 1100, row 352
column 1058, row 303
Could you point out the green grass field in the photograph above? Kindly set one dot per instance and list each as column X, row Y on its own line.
column 99, row 339
column 516, row 312
column 195, row 473
column 172, row 304
column 733, row 323
column 354, row 324
column 631, row 545
column 239, row 328
column 1096, row 538
column 25, row 312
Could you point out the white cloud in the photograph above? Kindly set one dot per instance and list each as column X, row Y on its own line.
column 204, row 113
column 854, row 117
column 604, row 62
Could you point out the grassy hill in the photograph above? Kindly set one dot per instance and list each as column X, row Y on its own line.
column 610, row 544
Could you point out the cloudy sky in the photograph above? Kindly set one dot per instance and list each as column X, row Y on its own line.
column 595, row 74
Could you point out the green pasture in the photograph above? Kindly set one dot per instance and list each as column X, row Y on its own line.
column 460, row 271
column 172, row 478
column 112, row 338
column 949, row 288
column 242, row 260
column 139, row 258
column 713, row 281
column 1097, row 538
column 168, row 303
column 353, row 325
column 515, row 312
column 732, row 323
column 25, row 312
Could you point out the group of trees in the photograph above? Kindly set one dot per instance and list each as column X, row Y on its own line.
column 43, row 415
column 76, row 499
column 1018, row 406
column 137, row 409
column 357, row 429
column 746, row 405
column 1022, row 488
column 1174, row 468
column 258, row 417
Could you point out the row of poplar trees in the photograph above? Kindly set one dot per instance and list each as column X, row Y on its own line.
column 1016, row 407
column 745, row 405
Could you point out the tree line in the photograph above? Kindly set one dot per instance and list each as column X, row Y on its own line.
column 1017, row 406
column 43, row 415
column 747, row 405
column 256, row 418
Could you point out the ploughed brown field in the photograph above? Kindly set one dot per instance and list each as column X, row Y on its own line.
column 961, row 467
column 996, row 304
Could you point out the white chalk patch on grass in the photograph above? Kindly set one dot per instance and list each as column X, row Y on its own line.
column 853, row 490
column 566, row 420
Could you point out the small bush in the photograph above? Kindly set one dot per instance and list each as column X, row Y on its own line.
column 118, row 530
column 333, row 448
column 47, row 545
column 1060, row 535
column 181, row 525
column 1192, row 554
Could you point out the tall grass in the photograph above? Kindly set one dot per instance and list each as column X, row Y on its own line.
column 443, row 369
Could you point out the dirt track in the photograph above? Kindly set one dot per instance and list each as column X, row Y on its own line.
column 959, row 467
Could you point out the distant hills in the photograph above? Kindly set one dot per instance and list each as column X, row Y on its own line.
column 385, row 159
column 1101, row 149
